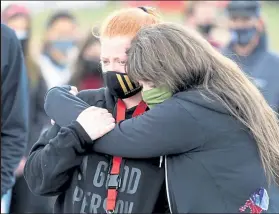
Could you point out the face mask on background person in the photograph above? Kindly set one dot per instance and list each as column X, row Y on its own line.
column 243, row 36
column 156, row 96
column 63, row 46
column 120, row 85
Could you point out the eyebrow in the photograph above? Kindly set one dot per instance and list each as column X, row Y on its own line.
column 115, row 58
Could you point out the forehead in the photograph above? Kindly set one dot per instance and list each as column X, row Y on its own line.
column 62, row 26
column 18, row 23
column 114, row 47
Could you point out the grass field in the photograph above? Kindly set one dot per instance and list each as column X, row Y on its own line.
column 91, row 17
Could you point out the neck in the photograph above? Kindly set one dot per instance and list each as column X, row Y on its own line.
column 133, row 101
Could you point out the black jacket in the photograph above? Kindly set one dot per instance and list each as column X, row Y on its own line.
column 60, row 163
column 211, row 160
column 14, row 103
column 262, row 65
column 38, row 119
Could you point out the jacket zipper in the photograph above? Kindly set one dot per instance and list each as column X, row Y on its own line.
column 167, row 186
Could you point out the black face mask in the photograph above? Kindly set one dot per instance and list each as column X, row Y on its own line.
column 243, row 36
column 205, row 29
column 120, row 85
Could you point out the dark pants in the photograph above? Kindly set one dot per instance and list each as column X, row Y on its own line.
column 24, row 201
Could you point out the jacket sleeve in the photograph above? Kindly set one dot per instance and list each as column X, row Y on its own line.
column 53, row 159
column 14, row 102
column 166, row 129
column 74, row 105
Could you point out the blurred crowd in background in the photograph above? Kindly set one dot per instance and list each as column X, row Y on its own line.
column 60, row 44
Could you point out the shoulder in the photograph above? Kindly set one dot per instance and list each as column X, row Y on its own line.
column 7, row 32
column 172, row 109
column 9, row 40
column 271, row 59
column 11, row 48
column 274, row 56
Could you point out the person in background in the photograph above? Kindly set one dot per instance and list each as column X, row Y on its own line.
column 201, row 15
column 59, row 44
column 87, row 72
column 14, row 111
column 249, row 48
column 18, row 18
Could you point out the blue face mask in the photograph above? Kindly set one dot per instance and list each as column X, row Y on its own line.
column 243, row 36
column 63, row 45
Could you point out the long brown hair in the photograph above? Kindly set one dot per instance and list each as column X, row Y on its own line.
column 172, row 56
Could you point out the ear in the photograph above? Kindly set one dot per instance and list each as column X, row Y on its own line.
column 261, row 24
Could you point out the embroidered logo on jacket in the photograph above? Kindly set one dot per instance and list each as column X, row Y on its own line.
column 258, row 202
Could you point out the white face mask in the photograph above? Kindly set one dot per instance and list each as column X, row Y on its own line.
column 21, row 34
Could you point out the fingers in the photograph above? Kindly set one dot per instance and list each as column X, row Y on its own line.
column 102, row 111
column 109, row 120
column 106, row 129
column 73, row 90
column 108, row 116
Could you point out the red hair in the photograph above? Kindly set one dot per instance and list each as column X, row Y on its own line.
column 128, row 21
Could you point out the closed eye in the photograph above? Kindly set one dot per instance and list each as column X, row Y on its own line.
column 123, row 63
column 104, row 61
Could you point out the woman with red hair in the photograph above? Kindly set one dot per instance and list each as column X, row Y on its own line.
column 60, row 163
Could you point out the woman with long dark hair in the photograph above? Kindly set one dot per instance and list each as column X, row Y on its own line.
column 219, row 136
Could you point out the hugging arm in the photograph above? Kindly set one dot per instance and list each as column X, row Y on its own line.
column 165, row 129
column 62, row 106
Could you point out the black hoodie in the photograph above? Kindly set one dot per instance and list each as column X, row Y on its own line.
column 14, row 106
column 212, row 162
column 60, row 164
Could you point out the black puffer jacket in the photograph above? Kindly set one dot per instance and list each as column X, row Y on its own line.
column 211, row 160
